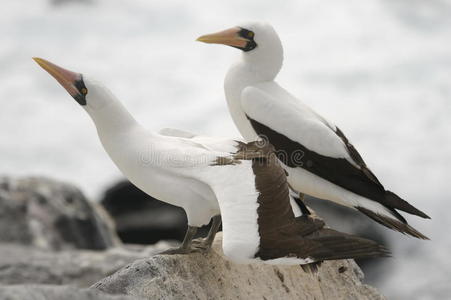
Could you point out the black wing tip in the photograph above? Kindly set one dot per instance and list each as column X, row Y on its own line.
column 422, row 215
column 394, row 201
column 392, row 223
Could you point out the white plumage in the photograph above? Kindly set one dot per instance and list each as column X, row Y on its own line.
column 208, row 176
column 270, row 103
column 251, row 91
column 328, row 166
column 174, row 166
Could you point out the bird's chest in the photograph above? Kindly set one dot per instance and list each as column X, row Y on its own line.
column 233, row 91
column 135, row 158
column 149, row 168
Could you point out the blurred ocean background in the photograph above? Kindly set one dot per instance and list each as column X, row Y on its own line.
column 379, row 69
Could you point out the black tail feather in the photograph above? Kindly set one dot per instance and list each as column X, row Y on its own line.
column 338, row 245
column 391, row 223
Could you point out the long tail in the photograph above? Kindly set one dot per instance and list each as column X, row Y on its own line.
column 384, row 211
column 398, row 224
column 338, row 245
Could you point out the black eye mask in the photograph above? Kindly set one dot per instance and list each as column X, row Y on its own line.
column 249, row 36
column 82, row 91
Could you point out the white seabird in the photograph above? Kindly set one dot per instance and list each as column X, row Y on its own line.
column 207, row 176
column 320, row 160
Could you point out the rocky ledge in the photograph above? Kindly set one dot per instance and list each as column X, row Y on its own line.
column 211, row 276
column 43, row 256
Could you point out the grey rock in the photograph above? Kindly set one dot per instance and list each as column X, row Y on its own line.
column 211, row 276
column 28, row 265
column 142, row 219
column 38, row 216
column 52, row 215
column 51, row 292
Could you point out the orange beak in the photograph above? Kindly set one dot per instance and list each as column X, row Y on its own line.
column 227, row 37
column 65, row 77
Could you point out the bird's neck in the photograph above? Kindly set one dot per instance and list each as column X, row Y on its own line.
column 112, row 119
column 259, row 68
column 253, row 68
column 247, row 72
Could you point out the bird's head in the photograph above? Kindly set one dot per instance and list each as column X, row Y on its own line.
column 90, row 94
column 258, row 41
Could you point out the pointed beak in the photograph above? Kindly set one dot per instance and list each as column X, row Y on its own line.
column 228, row 37
column 66, row 78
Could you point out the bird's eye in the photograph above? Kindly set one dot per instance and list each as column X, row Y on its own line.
column 84, row 91
column 250, row 34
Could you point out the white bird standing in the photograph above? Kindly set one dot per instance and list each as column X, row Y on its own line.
column 207, row 176
column 318, row 157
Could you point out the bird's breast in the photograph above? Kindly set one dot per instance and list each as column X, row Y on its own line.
column 233, row 88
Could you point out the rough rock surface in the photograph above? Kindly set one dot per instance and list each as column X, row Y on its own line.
column 28, row 265
column 52, row 215
column 52, row 292
column 45, row 223
column 210, row 276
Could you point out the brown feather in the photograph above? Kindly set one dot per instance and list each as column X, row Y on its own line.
column 283, row 235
